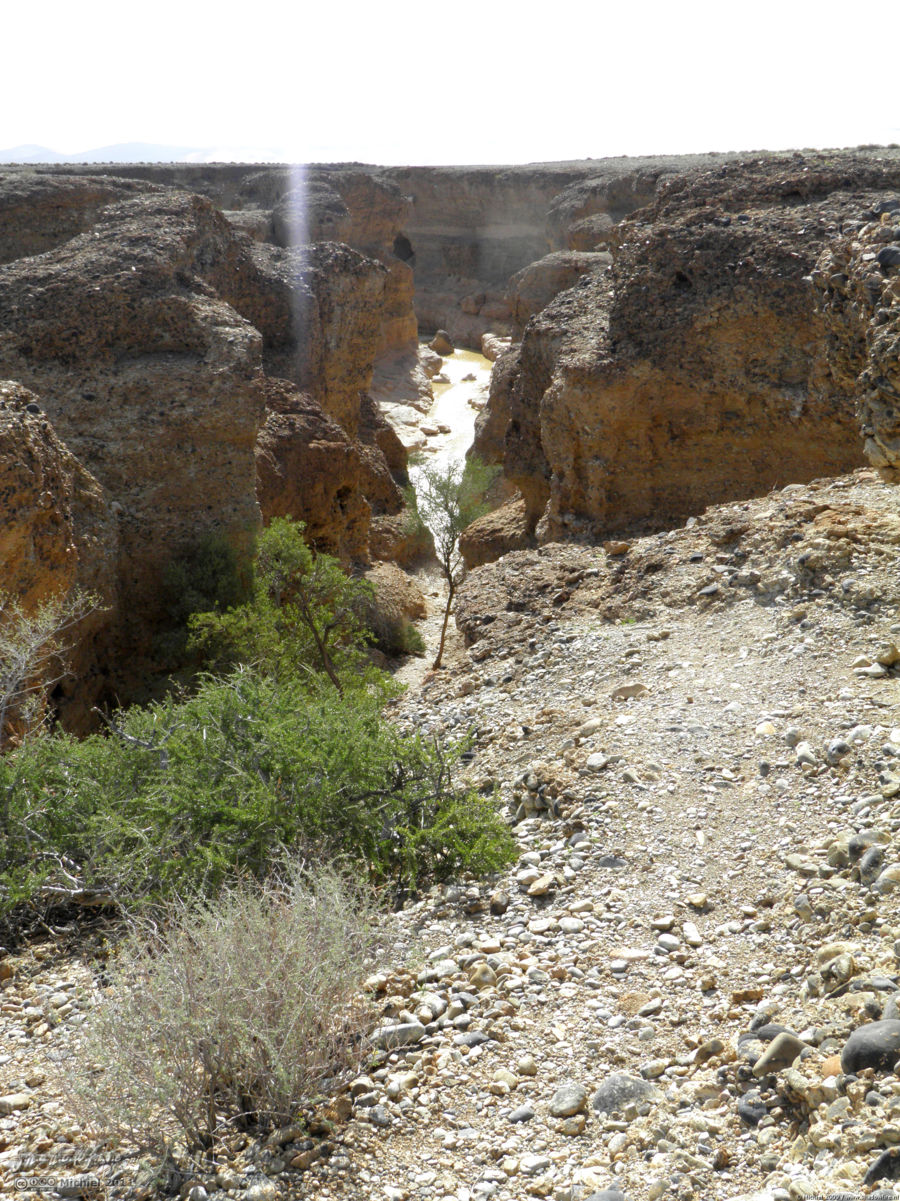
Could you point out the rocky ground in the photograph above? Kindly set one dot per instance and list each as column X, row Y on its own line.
column 677, row 990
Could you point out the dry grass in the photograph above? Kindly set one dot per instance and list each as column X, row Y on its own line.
column 231, row 1014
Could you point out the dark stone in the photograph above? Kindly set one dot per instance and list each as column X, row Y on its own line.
column 380, row 1116
column 751, row 1109
column 860, row 843
column 876, row 1045
column 885, row 1167
column 611, row 861
column 872, row 984
column 888, row 256
column 619, row 1090
column 763, row 1031
column 465, row 998
column 870, row 865
column 442, row 343
column 471, row 1038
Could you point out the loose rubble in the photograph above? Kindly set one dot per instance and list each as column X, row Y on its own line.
column 688, row 985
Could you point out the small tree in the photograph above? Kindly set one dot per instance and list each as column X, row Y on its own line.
column 305, row 612
column 447, row 500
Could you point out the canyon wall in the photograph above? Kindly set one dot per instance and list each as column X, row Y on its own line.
column 58, row 536
column 457, row 234
column 191, row 381
column 859, row 280
column 473, row 228
column 690, row 331
column 690, row 370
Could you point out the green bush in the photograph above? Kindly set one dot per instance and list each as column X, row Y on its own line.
column 288, row 747
column 228, row 1014
column 182, row 796
column 213, row 575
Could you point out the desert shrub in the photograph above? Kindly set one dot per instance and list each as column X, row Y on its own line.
column 186, row 794
column 214, row 575
column 447, row 500
column 229, row 1013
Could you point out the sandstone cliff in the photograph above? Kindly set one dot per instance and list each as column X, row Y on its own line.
column 39, row 212
column 58, row 535
column 162, row 343
column 689, row 374
column 153, row 381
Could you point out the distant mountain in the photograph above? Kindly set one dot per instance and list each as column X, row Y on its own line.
column 29, row 154
column 140, row 152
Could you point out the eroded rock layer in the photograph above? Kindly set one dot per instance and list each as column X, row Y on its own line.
column 169, row 352
column 58, row 536
column 152, row 380
column 691, row 372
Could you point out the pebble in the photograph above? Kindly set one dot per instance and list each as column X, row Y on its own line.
column 780, row 1053
column 523, row 1114
column 567, row 1100
column 620, row 1089
column 401, row 1034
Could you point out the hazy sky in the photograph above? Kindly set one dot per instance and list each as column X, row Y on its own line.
column 463, row 82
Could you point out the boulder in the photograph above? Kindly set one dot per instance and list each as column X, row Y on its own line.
column 497, row 533
column 532, row 288
column 441, row 343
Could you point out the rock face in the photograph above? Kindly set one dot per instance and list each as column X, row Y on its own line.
column 463, row 231
column 368, row 213
column 309, row 469
column 471, row 229
column 692, row 372
column 58, row 535
column 859, row 278
column 154, row 383
column 40, row 212
column 318, row 310
column 160, row 342
column 585, row 216
column 532, row 288
column 497, row 533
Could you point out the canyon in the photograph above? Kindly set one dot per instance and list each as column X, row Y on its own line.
column 669, row 333
column 676, row 647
